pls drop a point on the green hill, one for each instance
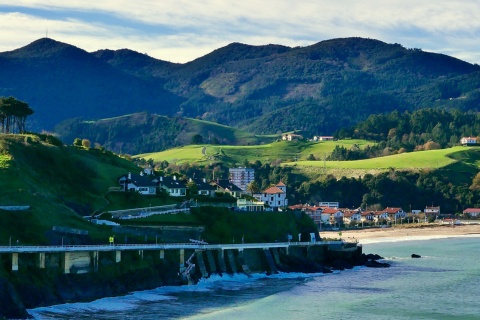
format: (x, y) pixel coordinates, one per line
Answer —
(145, 132)
(60, 184)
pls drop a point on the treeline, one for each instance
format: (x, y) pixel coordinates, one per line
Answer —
(396, 132)
(13, 115)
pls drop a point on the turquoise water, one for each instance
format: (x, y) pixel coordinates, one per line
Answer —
(443, 284)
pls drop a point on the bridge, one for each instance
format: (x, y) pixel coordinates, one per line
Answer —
(86, 258)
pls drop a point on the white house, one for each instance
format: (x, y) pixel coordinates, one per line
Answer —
(292, 137)
(434, 211)
(173, 186)
(275, 197)
(143, 184)
(468, 141)
(394, 213)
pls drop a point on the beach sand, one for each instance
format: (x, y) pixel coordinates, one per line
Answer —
(401, 233)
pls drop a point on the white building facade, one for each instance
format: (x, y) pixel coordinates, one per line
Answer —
(241, 177)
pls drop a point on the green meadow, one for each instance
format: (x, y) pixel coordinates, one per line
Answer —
(285, 151)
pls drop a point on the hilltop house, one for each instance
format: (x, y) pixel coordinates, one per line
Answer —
(291, 137)
(323, 138)
(468, 141)
(173, 186)
(141, 183)
(275, 197)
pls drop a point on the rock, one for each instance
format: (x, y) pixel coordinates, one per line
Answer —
(415, 255)
(376, 264)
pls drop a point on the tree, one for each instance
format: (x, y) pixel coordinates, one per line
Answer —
(197, 139)
(86, 143)
(253, 187)
(77, 142)
(476, 182)
(13, 115)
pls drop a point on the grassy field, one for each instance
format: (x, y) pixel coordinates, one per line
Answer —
(432, 159)
(59, 184)
(281, 150)
(410, 160)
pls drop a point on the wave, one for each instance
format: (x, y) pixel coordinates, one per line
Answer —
(136, 299)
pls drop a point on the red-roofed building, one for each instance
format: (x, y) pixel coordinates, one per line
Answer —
(275, 197)
(394, 213)
(473, 212)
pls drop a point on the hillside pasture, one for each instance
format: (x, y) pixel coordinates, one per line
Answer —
(284, 151)
(410, 160)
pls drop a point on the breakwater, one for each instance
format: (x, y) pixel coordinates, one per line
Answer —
(39, 276)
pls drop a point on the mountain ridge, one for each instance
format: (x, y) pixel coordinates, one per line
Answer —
(332, 83)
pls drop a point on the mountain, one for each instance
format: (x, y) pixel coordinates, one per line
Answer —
(262, 89)
(60, 81)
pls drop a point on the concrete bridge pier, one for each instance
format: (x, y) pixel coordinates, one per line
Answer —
(65, 262)
(94, 260)
(15, 261)
(162, 254)
(40, 260)
(221, 261)
(118, 256)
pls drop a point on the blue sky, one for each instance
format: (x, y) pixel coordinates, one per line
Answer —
(182, 30)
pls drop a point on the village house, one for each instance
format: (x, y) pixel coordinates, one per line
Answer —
(274, 197)
(291, 137)
(173, 186)
(378, 216)
(472, 212)
(468, 141)
(332, 215)
(141, 183)
(432, 211)
(394, 213)
(367, 216)
(226, 186)
(204, 188)
(350, 216)
(315, 213)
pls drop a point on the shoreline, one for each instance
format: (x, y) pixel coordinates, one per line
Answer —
(404, 233)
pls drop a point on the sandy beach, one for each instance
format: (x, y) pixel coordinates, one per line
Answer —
(400, 233)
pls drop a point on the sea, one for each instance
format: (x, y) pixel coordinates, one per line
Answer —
(443, 284)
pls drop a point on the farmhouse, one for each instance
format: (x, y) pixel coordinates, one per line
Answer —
(291, 137)
(468, 141)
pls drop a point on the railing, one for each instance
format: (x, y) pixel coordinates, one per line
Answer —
(170, 246)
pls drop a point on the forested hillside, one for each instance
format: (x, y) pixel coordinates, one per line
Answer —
(264, 89)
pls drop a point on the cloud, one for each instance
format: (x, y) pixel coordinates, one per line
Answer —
(182, 30)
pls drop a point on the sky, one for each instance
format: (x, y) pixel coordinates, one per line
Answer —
(183, 30)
